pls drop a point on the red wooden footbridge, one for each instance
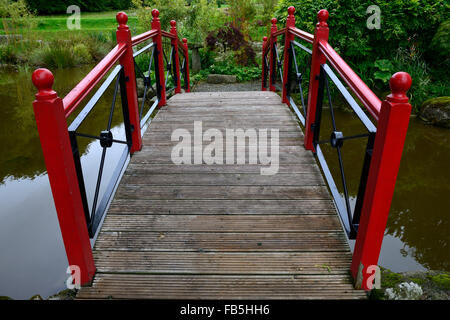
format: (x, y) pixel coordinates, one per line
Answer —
(163, 229)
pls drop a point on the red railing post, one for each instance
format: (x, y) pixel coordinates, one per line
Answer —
(264, 71)
(273, 58)
(123, 35)
(186, 65)
(389, 141)
(173, 30)
(156, 25)
(54, 137)
(290, 22)
(318, 58)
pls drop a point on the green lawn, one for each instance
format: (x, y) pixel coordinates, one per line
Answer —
(46, 25)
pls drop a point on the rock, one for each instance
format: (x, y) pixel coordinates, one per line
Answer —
(221, 78)
(141, 88)
(436, 111)
(4, 38)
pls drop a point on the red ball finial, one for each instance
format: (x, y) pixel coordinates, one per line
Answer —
(173, 23)
(122, 18)
(274, 21)
(155, 13)
(400, 84)
(43, 80)
(291, 10)
(264, 38)
(184, 40)
(322, 16)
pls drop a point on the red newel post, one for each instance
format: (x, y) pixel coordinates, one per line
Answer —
(123, 36)
(390, 138)
(52, 128)
(273, 58)
(264, 71)
(173, 30)
(186, 65)
(290, 22)
(320, 34)
(156, 25)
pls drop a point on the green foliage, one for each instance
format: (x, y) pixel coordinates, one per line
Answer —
(202, 17)
(401, 44)
(242, 73)
(443, 280)
(8, 54)
(18, 14)
(193, 21)
(403, 23)
(441, 41)
(384, 72)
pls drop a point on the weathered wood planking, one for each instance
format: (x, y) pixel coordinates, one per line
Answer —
(222, 231)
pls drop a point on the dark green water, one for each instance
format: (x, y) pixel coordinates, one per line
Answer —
(32, 256)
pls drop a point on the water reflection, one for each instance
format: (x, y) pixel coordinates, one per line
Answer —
(418, 230)
(33, 259)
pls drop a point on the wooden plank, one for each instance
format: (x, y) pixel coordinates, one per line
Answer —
(156, 168)
(212, 116)
(221, 192)
(222, 263)
(163, 155)
(220, 287)
(222, 223)
(260, 207)
(229, 109)
(222, 242)
(221, 179)
(282, 125)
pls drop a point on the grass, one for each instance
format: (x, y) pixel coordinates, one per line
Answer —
(49, 27)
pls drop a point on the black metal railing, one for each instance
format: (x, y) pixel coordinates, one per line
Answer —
(266, 67)
(170, 66)
(94, 214)
(277, 67)
(153, 53)
(301, 79)
(350, 218)
(183, 70)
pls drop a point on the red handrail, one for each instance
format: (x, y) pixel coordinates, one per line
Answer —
(279, 32)
(308, 37)
(168, 35)
(84, 87)
(144, 37)
(362, 91)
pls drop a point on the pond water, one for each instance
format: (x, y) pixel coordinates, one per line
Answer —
(32, 255)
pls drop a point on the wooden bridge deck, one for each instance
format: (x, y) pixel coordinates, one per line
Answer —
(222, 231)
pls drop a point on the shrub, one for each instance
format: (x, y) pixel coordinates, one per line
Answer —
(82, 54)
(403, 22)
(7, 54)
